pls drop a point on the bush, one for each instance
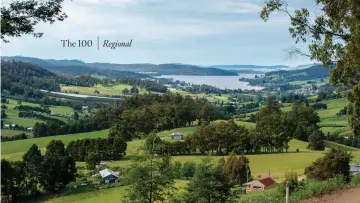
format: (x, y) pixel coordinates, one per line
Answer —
(355, 180)
(315, 188)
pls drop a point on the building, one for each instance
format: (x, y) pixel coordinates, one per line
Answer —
(354, 169)
(109, 176)
(29, 129)
(259, 185)
(177, 136)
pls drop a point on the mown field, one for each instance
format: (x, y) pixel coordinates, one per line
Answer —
(261, 164)
(210, 97)
(103, 91)
(13, 116)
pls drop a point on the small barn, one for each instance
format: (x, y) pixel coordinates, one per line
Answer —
(109, 176)
(354, 169)
(177, 136)
(259, 185)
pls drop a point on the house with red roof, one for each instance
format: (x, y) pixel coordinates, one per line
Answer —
(260, 185)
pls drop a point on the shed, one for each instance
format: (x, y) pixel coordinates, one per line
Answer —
(109, 176)
(260, 185)
(177, 136)
(354, 169)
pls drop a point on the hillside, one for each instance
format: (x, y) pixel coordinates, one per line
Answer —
(77, 67)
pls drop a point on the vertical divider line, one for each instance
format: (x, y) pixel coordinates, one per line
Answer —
(98, 42)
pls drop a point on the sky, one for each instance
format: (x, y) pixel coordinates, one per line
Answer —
(199, 32)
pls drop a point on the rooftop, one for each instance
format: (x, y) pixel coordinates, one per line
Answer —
(106, 172)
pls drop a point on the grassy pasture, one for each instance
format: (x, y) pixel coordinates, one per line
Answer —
(61, 110)
(15, 149)
(8, 132)
(209, 97)
(104, 91)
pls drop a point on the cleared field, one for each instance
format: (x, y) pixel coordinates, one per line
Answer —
(209, 97)
(15, 149)
(61, 110)
(8, 133)
(330, 144)
(241, 123)
(103, 91)
(91, 195)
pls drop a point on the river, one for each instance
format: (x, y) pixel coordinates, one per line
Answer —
(229, 82)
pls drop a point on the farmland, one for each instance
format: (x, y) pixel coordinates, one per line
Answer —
(103, 91)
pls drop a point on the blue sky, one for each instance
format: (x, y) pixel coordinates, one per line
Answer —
(202, 32)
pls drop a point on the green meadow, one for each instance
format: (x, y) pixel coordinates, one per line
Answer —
(103, 91)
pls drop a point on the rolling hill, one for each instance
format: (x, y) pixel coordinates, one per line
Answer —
(77, 67)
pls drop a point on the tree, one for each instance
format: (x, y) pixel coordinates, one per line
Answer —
(92, 159)
(334, 36)
(150, 180)
(208, 185)
(188, 169)
(206, 114)
(316, 140)
(76, 116)
(21, 17)
(13, 178)
(58, 169)
(236, 169)
(3, 114)
(33, 161)
(125, 91)
(134, 90)
(335, 162)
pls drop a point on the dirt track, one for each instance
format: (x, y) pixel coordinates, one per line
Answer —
(345, 196)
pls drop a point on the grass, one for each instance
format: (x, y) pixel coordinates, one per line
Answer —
(91, 195)
(103, 91)
(9, 133)
(330, 144)
(14, 150)
(209, 97)
(61, 110)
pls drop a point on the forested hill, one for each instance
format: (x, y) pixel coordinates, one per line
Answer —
(77, 67)
(20, 78)
(316, 71)
(166, 69)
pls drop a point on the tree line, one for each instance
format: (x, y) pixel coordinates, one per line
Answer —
(104, 148)
(142, 114)
(25, 178)
(149, 85)
(33, 108)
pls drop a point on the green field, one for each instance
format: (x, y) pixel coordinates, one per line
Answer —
(103, 91)
(8, 132)
(61, 110)
(90, 195)
(13, 118)
(209, 97)
(15, 149)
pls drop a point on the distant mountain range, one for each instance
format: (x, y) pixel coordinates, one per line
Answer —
(77, 67)
(145, 70)
(230, 67)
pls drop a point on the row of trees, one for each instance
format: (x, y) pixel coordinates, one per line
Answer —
(149, 85)
(51, 172)
(33, 108)
(102, 119)
(143, 114)
(104, 148)
(151, 179)
(32, 114)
